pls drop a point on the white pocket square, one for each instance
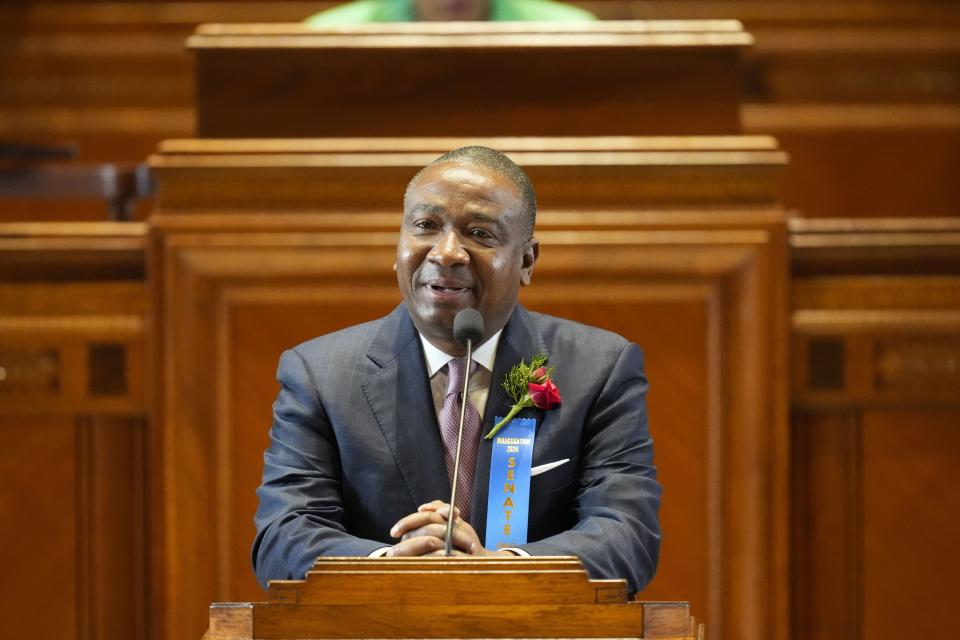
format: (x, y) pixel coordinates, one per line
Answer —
(546, 467)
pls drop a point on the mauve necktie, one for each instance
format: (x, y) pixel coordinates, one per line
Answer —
(449, 420)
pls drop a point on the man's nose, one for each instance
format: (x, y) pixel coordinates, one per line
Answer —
(449, 250)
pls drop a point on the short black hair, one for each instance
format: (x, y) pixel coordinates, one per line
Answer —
(498, 163)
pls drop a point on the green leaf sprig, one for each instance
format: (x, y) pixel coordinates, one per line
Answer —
(515, 384)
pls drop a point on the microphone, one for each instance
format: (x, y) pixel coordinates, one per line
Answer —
(468, 327)
(467, 330)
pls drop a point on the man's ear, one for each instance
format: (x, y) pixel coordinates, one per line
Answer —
(394, 267)
(530, 254)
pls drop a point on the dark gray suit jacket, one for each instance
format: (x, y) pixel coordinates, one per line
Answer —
(355, 447)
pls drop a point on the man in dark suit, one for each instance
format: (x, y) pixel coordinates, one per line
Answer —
(356, 464)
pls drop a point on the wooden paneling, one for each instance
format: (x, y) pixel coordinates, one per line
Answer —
(874, 526)
(701, 284)
(675, 337)
(71, 74)
(910, 527)
(877, 246)
(827, 567)
(73, 512)
(200, 464)
(112, 77)
(72, 421)
(38, 503)
(866, 161)
(112, 550)
(862, 95)
(876, 387)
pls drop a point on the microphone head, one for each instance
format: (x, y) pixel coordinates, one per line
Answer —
(468, 326)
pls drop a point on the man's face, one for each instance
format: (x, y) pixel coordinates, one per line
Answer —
(463, 243)
(451, 10)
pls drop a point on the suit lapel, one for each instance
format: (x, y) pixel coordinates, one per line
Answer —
(398, 391)
(519, 341)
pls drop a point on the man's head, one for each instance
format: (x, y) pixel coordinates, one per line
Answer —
(451, 10)
(466, 241)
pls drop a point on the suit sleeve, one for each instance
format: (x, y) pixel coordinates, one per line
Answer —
(617, 532)
(301, 514)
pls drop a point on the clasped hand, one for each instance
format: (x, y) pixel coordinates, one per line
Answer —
(423, 533)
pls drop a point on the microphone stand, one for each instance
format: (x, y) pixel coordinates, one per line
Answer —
(448, 538)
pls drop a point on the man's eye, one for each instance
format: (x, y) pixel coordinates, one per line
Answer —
(425, 224)
(481, 234)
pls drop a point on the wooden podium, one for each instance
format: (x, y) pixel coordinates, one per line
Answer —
(678, 244)
(462, 79)
(462, 597)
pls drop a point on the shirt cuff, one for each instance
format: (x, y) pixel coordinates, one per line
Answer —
(381, 552)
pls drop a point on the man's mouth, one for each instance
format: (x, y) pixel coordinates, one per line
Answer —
(448, 291)
(442, 289)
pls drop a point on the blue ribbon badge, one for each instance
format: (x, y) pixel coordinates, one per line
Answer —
(508, 502)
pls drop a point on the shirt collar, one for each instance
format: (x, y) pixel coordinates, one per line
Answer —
(484, 355)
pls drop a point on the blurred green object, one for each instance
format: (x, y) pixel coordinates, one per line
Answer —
(363, 11)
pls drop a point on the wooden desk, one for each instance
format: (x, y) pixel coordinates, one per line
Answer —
(73, 427)
(359, 598)
(477, 79)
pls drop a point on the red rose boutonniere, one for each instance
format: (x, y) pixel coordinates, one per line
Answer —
(530, 386)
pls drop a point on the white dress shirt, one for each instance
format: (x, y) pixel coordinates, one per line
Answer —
(483, 355)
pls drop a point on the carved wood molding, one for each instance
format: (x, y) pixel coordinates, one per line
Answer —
(72, 318)
(876, 312)
(864, 368)
(121, 326)
(204, 177)
(25, 371)
(828, 565)
(111, 527)
(928, 366)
